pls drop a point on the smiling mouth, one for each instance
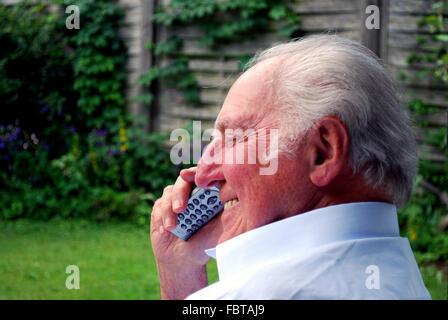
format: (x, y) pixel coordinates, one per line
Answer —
(230, 203)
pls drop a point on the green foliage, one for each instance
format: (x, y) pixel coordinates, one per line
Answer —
(102, 177)
(99, 58)
(436, 43)
(35, 76)
(68, 147)
(419, 219)
(222, 22)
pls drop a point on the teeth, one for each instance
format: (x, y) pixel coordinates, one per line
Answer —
(230, 203)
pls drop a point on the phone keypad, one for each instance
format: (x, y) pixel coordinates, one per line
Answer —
(202, 206)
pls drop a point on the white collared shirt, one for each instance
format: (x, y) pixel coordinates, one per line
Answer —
(347, 251)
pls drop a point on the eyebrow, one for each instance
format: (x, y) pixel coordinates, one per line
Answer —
(227, 123)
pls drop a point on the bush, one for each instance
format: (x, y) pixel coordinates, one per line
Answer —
(67, 146)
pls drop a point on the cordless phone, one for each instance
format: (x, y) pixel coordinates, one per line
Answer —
(203, 205)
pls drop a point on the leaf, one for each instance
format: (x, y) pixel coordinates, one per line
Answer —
(146, 98)
(147, 79)
(277, 12)
(442, 37)
(171, 45)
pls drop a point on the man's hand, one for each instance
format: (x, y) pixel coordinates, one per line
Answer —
(181, 264)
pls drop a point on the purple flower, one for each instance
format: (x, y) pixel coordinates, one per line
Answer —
(111, 153)
(6, 157)
(13, 136)
(45, 146)
(9, 127)
(59, 112)
(99, 144)
(72, 130)
(100, 133)
(2, 127)
(2, 145)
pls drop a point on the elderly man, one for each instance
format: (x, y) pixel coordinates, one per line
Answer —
(324, 225)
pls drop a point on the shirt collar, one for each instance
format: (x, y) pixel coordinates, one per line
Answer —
(305, 231)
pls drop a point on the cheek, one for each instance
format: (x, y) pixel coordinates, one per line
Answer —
(246, 182)
(240, 176)
(258, 192)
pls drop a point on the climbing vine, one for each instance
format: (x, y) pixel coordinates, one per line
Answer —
(426, 216)
(222, 22)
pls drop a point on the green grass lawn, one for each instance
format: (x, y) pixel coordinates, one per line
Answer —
(115, 261)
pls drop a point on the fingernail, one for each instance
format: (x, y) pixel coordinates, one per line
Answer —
(168, 222)
(177, 204)
(161, 230)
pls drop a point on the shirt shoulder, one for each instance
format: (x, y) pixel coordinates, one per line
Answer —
(375, 268)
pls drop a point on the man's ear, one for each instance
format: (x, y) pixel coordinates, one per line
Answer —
(329, 145)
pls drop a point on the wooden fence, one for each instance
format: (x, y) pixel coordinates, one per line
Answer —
(217, 70)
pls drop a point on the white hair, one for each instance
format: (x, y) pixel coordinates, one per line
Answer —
(329, 75)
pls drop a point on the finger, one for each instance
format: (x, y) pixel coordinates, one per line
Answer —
(180, 193)
(169, 218)
(188, 174)
(156, 219)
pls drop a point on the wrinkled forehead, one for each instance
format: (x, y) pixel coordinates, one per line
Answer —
(249, 99)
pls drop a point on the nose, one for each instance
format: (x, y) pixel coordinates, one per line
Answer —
(209, 172)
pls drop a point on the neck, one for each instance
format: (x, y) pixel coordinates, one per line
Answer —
(346, 191)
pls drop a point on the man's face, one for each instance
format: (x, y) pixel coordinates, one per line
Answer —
(251, 199)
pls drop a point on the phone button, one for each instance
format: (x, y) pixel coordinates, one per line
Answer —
(212, 200)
